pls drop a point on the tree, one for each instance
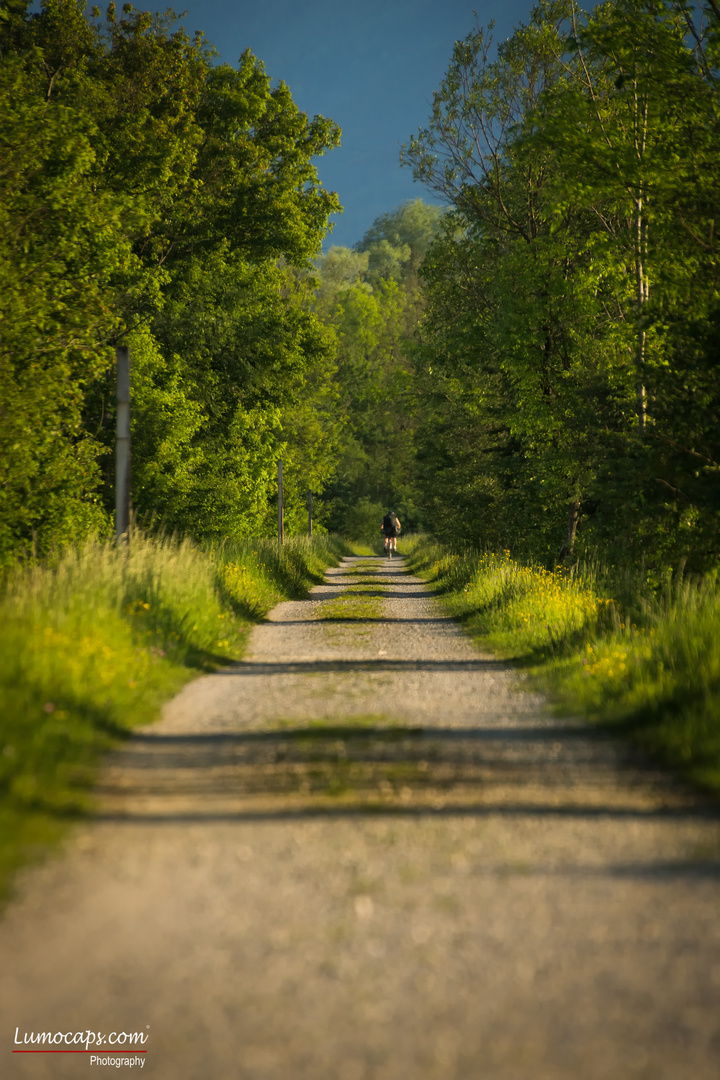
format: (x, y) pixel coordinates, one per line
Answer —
(370, 299)
(636, 128)
(514, 264)
(397, 242)
(134, 170)
(578, 164)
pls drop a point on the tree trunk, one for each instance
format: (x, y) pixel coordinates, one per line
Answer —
(122, 444)
(642, 283)
(572, 523)
(642, 293)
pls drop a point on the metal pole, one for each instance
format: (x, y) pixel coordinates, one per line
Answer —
(281, 505)
(309, 512)
(122, 444)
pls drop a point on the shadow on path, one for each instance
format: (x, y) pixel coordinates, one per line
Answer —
(345, 769)
(309, 667)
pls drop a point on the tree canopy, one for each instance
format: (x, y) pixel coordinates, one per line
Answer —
(569, 356)
(147, 194)
(533, 364)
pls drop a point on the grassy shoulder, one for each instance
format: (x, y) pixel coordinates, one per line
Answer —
(645, 661)
(92, 645)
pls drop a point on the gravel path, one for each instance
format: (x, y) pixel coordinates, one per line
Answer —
(365, 853)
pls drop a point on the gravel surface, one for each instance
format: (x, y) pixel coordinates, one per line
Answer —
(366, 853)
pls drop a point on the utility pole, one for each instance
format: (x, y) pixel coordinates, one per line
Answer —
(309, 511)
(122, 444)
(281, 505)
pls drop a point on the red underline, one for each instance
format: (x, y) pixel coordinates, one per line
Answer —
(123, 1053)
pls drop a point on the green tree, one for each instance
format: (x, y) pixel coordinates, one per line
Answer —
(370, 298)
(60, 242)
(636, 130)
(397, 242)
(134, 172)
(502, 257)
(572, 304)
(257, 365)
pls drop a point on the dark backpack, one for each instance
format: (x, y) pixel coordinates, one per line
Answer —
(390, 524)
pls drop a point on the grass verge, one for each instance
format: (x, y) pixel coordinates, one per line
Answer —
(359, 602)
(91, 646)
(645, 661)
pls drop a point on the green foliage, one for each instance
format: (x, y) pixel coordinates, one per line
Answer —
(244, 375)
(396, 243)
(523, 609)
(375, 463)
(566, 371)
(146, 193)
(56, 248)
(362, 520)
(339, 270)
(91, 645)
(370, 299)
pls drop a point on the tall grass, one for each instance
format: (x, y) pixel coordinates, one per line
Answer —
(91, 645)
(605, 644)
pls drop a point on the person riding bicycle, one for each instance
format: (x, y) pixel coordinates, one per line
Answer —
(390, 527)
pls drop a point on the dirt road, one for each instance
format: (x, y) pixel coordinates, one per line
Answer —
(364, 853)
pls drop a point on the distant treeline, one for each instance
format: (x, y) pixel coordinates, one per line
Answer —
(568, 371)
(534, 367)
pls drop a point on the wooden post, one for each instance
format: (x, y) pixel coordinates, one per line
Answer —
(281, 505)
(122, 444)
(309, 512)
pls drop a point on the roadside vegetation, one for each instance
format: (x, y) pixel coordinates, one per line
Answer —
(643, 659)
(93, 643)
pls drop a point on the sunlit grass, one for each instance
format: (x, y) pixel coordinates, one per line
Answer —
(524, 609)
(352, 606)
(660, 676)
(649, 661)
(255, 575)
(359, 548)
(91, 645)
(365, 570)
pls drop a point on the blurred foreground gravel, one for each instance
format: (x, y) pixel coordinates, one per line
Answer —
(364, 853)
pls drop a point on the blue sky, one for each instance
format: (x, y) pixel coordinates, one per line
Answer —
(371, 66)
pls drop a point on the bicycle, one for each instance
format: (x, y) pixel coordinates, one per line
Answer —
(390, 527)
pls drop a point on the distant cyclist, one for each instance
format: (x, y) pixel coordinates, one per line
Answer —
(391, 529)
